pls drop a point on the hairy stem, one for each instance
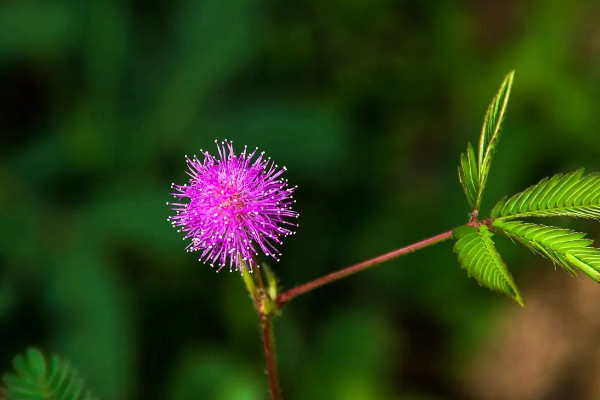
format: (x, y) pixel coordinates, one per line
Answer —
(284, 297)
(268, 339)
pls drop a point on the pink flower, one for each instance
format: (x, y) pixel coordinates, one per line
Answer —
(237, 205)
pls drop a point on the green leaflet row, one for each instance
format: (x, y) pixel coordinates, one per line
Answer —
(36, 377)
(473, 169)
(572, 195)
(478, 255)
(567, 248)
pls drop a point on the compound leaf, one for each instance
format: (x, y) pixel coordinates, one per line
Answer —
(36, 377)
(478, 255)
(572, 195)
(565, 247)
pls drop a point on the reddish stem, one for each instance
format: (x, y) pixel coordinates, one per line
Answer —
(266, 327)
(334, 276)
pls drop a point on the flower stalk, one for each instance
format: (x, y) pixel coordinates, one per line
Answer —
(263, 300)
(268, 340)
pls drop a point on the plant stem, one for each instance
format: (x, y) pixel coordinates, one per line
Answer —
(268, 339)
(286, 296)
(259, 296)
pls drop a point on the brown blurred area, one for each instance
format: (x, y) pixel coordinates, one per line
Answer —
(547, 350)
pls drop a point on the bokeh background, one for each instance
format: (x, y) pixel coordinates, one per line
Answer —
(368, 103)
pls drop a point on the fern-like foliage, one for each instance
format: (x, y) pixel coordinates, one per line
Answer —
(473, 171)
(36, 378)
(565, 247)
(478, 255)
(573, 195)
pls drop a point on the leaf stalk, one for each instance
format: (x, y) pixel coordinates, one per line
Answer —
(286, 296)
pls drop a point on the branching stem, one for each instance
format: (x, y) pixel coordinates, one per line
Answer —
(284, 297)
(259, 295)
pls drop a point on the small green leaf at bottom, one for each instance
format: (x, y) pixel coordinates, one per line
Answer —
(36, 377)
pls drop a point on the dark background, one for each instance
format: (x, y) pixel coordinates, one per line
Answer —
(368, 103)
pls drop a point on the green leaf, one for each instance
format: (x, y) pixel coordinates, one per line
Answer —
(37, 378)
(478, 255)
(565, 247)
(490, 132)
(571, 195)
(468, 175)
(473, 171)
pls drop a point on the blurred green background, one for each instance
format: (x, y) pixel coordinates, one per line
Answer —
(368, 103)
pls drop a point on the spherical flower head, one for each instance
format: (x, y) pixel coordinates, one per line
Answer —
(236, 205)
